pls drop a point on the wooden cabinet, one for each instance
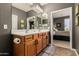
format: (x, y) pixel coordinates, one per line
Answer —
(47, 38)
(30, 48)
(38, 41)
(18, 49)
(39, 45)
(31, 45)
(44, 40)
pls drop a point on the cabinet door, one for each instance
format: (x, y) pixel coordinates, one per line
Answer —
(36, 42)
(18, 49)
(30, 48)
(44, 40)
(44, 43)
(39, 44)
(47, 37)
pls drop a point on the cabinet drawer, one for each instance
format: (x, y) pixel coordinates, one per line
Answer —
(35, 36)
(28, 37)
(30, 42)
(44, 34)
(40, 34)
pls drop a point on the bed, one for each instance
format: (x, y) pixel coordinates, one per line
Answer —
(61, 35)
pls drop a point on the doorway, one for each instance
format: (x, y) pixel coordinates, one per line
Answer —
(61, 28)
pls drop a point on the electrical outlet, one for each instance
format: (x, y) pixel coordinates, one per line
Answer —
(5, 26)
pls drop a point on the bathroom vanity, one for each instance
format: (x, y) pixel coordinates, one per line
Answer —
(30, 43)
(33, 39)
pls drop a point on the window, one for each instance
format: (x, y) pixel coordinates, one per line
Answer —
(66, 24)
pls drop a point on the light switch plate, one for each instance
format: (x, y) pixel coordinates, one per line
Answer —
(5, 26)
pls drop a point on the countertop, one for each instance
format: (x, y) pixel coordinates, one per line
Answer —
(30, 32)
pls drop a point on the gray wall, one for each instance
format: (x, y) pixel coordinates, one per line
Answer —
(5, 36)
(31, 13)
(21, 15)
(73, 27)
(57, 6)
(76, 36)
(5, 18)
(61, 21)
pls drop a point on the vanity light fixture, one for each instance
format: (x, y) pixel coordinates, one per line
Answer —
(37, 8)
(45, 15)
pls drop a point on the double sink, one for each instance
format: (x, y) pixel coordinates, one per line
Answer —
(24, 32)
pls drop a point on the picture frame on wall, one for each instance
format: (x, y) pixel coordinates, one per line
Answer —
(77, 21)
(22, 23)
(77, 15)
(58, 24)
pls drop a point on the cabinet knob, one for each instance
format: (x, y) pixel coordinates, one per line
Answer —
(36, 42)
(46, 37)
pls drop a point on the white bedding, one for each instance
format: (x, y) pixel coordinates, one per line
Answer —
(63, 33)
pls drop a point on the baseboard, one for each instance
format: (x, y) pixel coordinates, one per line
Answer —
(75, 51)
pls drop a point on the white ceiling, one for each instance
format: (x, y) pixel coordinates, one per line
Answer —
(28, 6)
(22, 6)
(43, 4)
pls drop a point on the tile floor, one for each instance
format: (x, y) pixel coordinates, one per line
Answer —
(57, 51)
(60, 43)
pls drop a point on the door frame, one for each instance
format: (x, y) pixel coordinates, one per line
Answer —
(51, 23)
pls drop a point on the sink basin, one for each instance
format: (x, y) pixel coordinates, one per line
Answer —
(24, 32)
